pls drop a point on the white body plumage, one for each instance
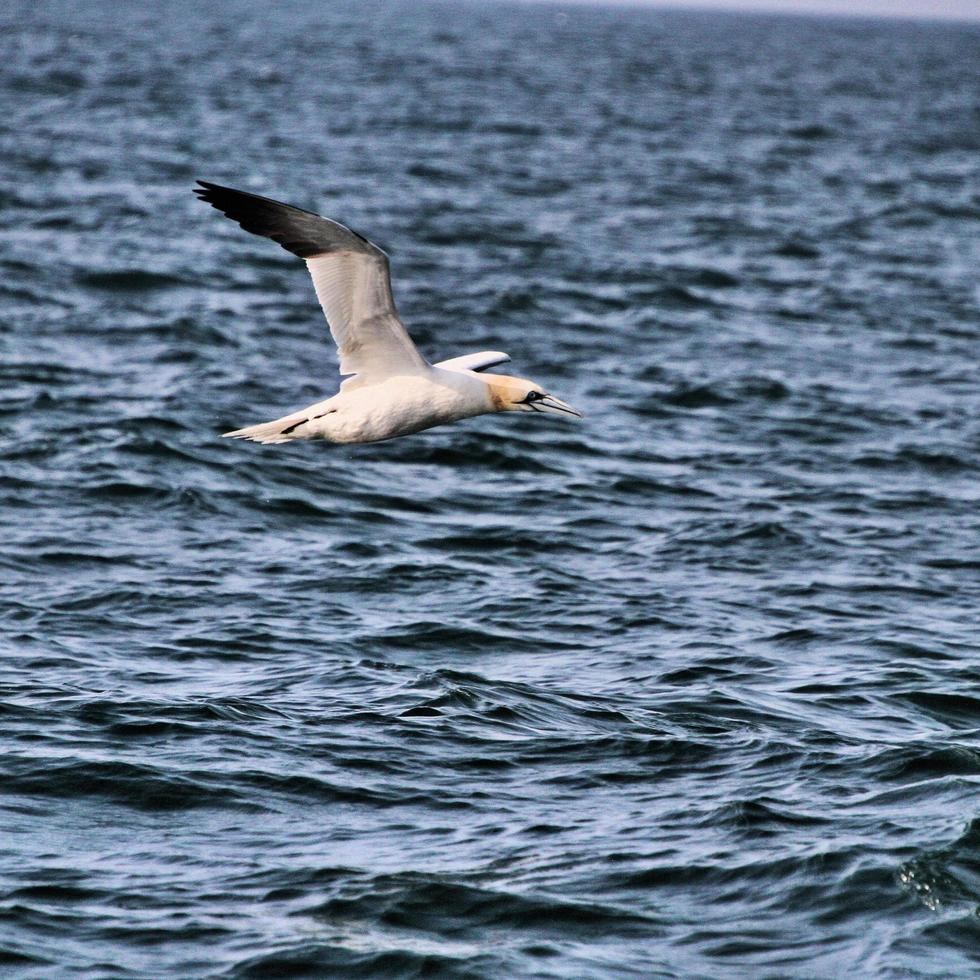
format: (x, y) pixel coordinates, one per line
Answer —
(396, 406)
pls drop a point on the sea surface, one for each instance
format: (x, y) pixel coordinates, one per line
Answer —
(690, 688)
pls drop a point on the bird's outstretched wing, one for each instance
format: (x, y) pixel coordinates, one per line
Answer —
(475, 362)
(350, 275)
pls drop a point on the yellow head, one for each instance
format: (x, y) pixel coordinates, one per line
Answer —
(520, 395)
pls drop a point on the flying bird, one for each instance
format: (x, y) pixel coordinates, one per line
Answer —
(392, 389)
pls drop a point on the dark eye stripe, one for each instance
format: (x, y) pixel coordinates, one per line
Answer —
(533, 396)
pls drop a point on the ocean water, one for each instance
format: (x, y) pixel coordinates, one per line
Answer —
(686, 689)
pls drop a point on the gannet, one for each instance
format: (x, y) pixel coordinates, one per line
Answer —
(392, 390)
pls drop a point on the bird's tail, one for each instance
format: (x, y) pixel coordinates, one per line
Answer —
(282, 430)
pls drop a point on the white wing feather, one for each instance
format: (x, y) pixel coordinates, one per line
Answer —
(475, 362)
(354, 290)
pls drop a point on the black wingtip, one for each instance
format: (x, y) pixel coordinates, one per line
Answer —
(208, 190)
(304, 233)
(218, 195)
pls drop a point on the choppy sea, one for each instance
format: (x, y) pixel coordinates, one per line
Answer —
(690, 688)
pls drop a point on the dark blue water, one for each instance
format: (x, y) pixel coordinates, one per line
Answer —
(689, 688)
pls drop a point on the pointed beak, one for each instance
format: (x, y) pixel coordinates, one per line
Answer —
(555, 406)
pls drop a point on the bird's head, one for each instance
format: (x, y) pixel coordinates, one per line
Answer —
(521, 395)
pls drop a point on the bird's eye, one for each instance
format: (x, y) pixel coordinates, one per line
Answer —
(534, 396)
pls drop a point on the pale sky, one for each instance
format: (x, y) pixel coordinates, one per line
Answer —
(934, 9)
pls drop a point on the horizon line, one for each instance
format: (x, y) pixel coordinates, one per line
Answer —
(846, 10)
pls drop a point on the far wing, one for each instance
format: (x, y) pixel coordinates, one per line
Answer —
(350, 275)
(475, 362)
